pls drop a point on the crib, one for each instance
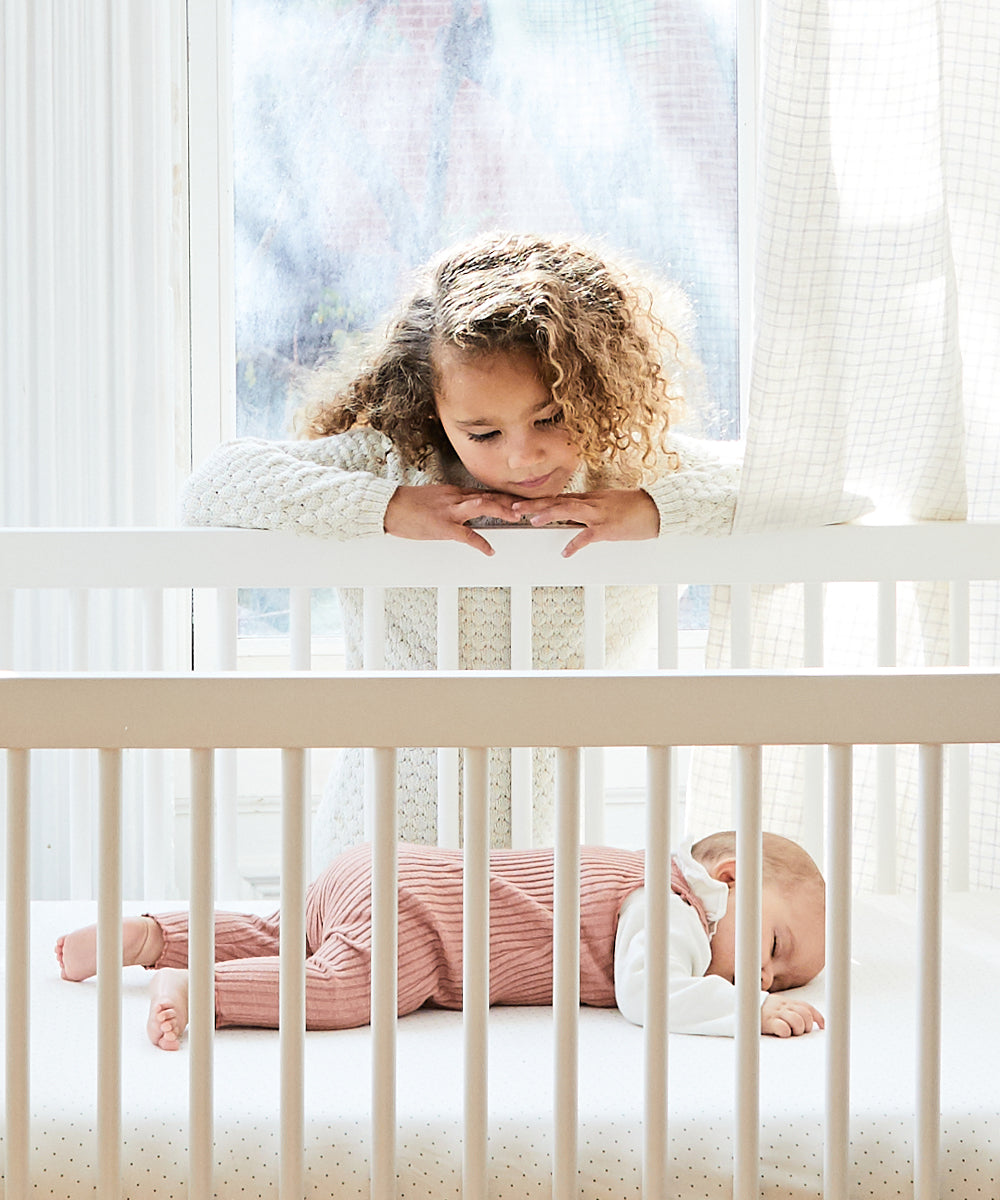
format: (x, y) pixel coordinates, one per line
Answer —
(889, 1100)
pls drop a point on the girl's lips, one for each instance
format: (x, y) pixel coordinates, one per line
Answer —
(540, 481)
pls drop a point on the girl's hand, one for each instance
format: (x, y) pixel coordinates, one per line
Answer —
(438, 512)
(613, 515)
(782, 1017)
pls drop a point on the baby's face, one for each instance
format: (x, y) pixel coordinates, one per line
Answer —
(503, 424)
(793, 941)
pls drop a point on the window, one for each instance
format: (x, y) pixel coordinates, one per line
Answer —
(369, 135)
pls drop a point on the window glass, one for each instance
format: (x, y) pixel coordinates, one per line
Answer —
(369, 135)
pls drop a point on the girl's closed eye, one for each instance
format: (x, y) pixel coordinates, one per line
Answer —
(542, 423)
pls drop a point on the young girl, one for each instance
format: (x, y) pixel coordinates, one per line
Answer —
(612, 940)
(524, 380)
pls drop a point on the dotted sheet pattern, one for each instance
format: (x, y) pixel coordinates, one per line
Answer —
(64, 1072)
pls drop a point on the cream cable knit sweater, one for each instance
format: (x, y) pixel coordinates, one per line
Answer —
(339, 488)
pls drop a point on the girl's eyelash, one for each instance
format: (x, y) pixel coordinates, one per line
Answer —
(544, 423)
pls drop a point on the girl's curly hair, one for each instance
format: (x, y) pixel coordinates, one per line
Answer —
(612, 362)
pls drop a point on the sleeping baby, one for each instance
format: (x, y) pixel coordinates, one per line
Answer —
(702, 995)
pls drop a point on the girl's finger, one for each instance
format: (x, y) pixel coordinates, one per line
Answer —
(579, 512)
(489, 504)
(473, 539)
(582, 539)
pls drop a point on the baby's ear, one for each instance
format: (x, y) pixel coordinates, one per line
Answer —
(724, 870)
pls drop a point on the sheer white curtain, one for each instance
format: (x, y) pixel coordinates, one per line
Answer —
(93, 330)
(877, 336)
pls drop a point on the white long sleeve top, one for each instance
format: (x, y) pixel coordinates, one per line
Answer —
(339, 488)
(697, 1003)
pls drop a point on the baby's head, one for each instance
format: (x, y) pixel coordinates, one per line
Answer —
(606, 360)
(793, 911)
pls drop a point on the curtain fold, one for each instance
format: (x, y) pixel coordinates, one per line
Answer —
(876, 343)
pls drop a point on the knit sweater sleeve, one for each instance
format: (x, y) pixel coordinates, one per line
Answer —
(700, 495)
(336, 487)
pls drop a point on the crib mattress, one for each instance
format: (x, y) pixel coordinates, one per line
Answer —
(155, 1098)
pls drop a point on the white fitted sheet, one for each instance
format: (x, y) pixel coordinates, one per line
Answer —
(155, 1098)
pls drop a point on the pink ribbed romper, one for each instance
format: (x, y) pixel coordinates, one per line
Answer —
(338, 936)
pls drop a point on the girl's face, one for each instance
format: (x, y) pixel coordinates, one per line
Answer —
(502, 422)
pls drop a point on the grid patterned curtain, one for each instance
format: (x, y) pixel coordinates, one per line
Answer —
(876, 340)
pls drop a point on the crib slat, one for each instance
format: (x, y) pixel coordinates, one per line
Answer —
(566, 973)
(927, 1136)
(81, 814)
(958, 756)
(812, 624)
(384, 982)
(201, 963)
(447, 756)
(812, 756)
(657, 890)
(300, 628)
(292, 992)
(749, 865)
(6, 629)
(226, 628)
(667, 619)
(17, 890)
(741, 602)
(520, 756)
(838, 975)
(373, 659)
(157, 843)
(885, 819)
(885, 756)
(226, 788)
(476, 974)
(374, 628)
(109, 974)
(593, 757)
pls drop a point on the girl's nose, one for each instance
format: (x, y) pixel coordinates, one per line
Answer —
(766, 978)
(524, 451)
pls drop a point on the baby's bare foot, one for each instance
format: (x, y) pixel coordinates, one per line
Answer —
(142, 944)
(168, 1008)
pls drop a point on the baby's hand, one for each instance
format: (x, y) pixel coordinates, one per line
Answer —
(613, 515)
(438, 512)
(784, 1017)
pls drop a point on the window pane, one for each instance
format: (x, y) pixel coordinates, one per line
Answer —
(369, 135)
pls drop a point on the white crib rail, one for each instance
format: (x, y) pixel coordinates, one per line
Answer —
(150, 563)
(159, 558)
(476, 710)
